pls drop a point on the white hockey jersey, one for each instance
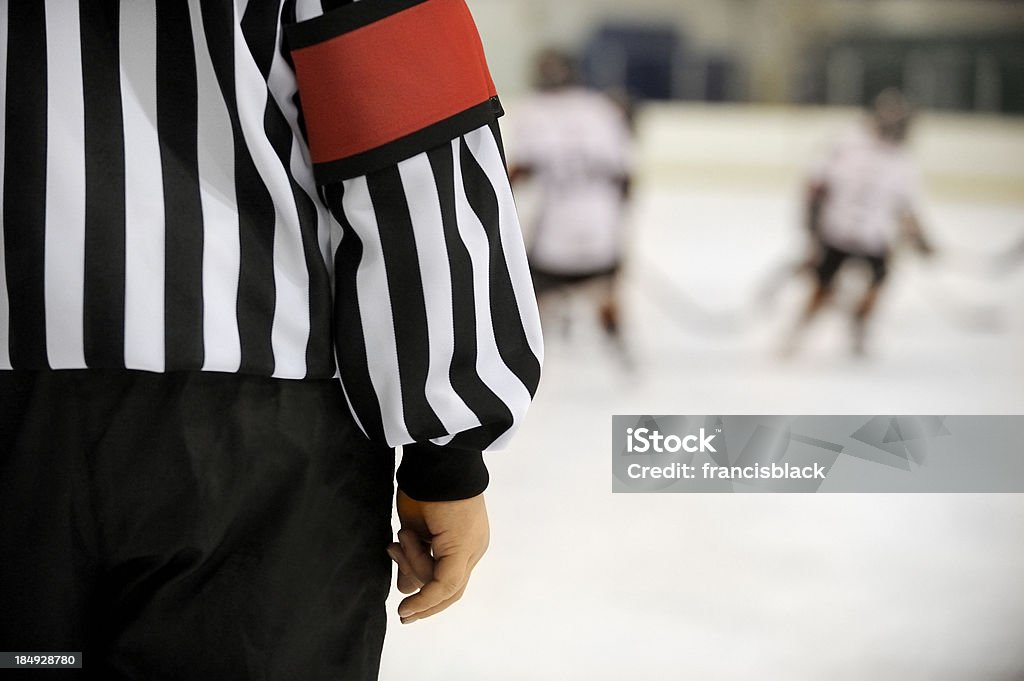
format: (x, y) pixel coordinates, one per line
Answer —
(577, 143)
(870, 186)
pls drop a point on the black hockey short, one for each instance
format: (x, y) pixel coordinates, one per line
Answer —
(545, 281)
(832, 260)
(191, 526)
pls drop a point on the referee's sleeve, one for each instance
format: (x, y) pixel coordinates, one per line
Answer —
(436, 326)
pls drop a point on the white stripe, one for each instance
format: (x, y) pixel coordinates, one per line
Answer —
(144, 205)
(221, 255)
(64, 250)
(443, 441)
(428, 232)
(290, 331)
(491, 368)
(375, 309)
(307, 9)
(283, 87)
(484, 148)
(5, 308)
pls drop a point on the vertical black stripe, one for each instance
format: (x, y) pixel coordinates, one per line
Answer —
(496, 132)
(331, 5)
(104, 287)
(177, 102)
(463, 375)
(351, 345)
(256, 289)
(319, 358)
(508, 327)
(408, 306)
(24, 209)
(260, 30)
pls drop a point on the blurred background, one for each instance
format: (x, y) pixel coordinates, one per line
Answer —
(733, 103)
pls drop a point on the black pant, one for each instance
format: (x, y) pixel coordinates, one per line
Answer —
(545, 281)
(832, 259)
(191, 526)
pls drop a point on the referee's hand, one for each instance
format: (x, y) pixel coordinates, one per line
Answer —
(439, 544)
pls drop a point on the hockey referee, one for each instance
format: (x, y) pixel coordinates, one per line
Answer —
(248, 248)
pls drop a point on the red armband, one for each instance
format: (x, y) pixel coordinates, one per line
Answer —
(383, 80)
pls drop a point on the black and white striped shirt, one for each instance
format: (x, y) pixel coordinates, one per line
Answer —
(160, 213)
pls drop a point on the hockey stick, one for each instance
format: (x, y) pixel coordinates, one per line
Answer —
(677, 303)
(984, 265)
(971, 315)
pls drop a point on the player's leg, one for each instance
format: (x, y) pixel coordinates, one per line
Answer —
(803, 266)
(866, 306)
(551, 290)
(831, 261)
(609, 315)
(608, 310)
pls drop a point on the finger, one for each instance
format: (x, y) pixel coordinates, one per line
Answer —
(418, 553)
(436, 609)
(450, 576)
(407, 584)
(407, 581)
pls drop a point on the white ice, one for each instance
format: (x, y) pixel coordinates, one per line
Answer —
(581, 584)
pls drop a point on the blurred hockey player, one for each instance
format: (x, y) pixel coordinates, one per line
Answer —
(863, 198)
(574, 142)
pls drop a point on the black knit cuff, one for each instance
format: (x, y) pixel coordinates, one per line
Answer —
(432, 473)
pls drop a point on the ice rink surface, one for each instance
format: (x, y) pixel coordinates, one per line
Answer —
(581, 584)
